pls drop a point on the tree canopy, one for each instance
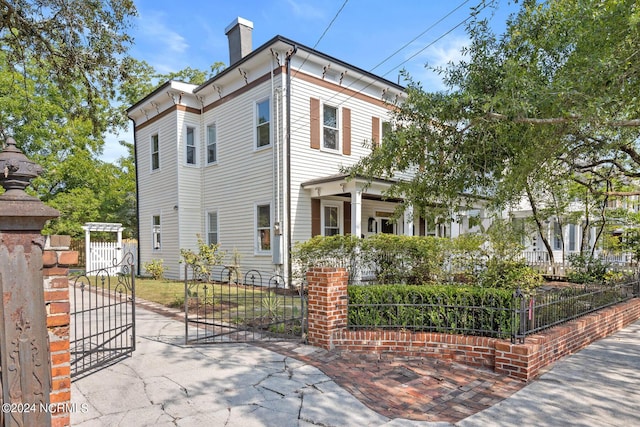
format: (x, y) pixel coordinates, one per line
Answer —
(553, 99)
(65, 81)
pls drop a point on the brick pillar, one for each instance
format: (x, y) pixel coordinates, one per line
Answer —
(56, 262)
(327, 304)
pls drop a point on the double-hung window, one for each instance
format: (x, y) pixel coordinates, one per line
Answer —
(212, 143)
(330, 132)
(156, 232)
(212, 228)
(263, 120)
(331, 220)
(263, 227)
(191, 146)
(155, 152)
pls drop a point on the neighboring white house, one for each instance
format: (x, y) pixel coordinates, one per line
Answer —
(251, 159)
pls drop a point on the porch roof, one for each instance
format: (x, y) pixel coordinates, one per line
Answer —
(344, 184)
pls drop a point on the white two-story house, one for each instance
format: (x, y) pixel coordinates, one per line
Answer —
(251, 159)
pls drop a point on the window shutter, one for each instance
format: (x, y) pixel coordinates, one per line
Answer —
(315, 218)
(346, 208)
(315, 123)
(375, 131)
(346, 131)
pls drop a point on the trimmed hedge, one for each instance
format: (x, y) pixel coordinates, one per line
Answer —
(455, 309)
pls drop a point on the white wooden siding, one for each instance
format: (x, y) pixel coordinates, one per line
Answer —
(242, 177)
(157, 192)
(310, 163)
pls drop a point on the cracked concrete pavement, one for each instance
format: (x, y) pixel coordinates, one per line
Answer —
(168, 384)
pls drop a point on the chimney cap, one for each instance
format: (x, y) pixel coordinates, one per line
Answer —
(238, 21)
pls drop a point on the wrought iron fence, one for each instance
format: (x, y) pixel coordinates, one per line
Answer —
(492, 321)
(513, 318)
(542, 310)
(241, 308)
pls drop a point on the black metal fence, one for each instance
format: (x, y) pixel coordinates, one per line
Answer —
(102, 318)
(241, 308)
(514, 318)
(543, 310)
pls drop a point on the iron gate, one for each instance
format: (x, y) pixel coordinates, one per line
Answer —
(233, 310)
(102, 317)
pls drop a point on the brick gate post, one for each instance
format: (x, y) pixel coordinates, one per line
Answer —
(327, 304)
(25, 368)
(56, 262)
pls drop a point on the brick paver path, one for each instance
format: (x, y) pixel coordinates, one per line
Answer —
(417, 389)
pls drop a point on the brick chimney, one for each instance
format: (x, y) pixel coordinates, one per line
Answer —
(239, 35)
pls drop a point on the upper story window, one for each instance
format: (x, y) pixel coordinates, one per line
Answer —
(191, 146)
(263, 227)
(212, 228)
(263, 119)
(155, 152)
(155, 230)
(212, 144)
(330, 132)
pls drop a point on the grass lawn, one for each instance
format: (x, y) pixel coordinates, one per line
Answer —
(165, 292)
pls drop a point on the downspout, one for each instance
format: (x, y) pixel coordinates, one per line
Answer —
(276, 168)
(135, 162)
(288, 165)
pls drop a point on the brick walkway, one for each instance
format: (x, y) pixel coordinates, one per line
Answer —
(416, 389)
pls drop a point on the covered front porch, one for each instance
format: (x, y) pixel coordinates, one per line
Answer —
(344, 205)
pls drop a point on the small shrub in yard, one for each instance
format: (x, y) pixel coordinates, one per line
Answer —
(155, 268)
(585, 269)
(203, 260)
(509, 275)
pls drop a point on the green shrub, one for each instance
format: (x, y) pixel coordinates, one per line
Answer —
(155, 268)
(331, 251)
(202, 261)
(441, 308)
(586, 269)
(508, 274)
(406, 259)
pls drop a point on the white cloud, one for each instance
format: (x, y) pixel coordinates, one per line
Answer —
(439, 55)
(168, 47)
(306, 10)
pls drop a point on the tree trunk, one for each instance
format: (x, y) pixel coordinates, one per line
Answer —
(534, 210)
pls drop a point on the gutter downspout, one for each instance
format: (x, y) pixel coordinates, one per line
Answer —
(288, 162)
(135, 162)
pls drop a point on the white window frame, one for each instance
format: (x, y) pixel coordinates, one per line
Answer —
(209, 143)
(187, 146)
(217, 230)
(257, 125)
(156, 233)
(155, 154)
(258, 250)
(336, 129)
(323, 219)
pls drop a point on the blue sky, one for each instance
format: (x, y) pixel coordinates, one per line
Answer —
(379, 36)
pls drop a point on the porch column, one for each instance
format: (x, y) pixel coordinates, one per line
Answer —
(356, 212)
(408, 221)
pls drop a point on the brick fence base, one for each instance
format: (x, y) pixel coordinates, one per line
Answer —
(328, 321)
